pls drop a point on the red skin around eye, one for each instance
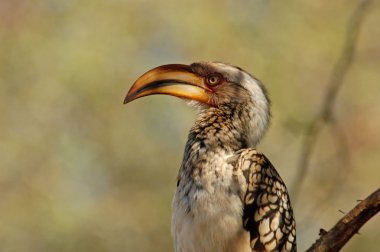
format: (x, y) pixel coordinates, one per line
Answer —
(211, 87)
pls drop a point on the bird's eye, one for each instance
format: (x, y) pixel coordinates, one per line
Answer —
(213, 80)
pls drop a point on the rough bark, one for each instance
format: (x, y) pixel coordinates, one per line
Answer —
(342, 232)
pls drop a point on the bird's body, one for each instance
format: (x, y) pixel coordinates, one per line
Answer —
(213, 182)
(207, 209)
(229, 197)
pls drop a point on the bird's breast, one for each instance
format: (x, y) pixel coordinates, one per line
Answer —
(207, 210)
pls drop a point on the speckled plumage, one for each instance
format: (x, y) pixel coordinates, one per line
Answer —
(268, 214)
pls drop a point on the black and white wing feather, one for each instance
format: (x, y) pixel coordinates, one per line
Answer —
(267, 213)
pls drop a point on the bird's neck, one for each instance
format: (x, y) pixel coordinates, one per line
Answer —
(218, 133)
(219, 129)
(230, 127)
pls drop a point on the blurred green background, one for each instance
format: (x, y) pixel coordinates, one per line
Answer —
(81, 172)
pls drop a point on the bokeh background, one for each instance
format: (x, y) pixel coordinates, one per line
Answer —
(80, 171)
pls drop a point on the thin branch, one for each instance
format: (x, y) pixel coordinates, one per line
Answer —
(342, 232)
(325, 115)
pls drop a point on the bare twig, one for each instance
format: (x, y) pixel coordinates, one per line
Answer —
(341, 233)
(325, 115)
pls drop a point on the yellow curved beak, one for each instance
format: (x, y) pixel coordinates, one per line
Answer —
(174, 79)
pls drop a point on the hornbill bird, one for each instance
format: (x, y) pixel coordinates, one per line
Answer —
(229, 197)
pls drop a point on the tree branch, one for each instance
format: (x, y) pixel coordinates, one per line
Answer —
(341, 233)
